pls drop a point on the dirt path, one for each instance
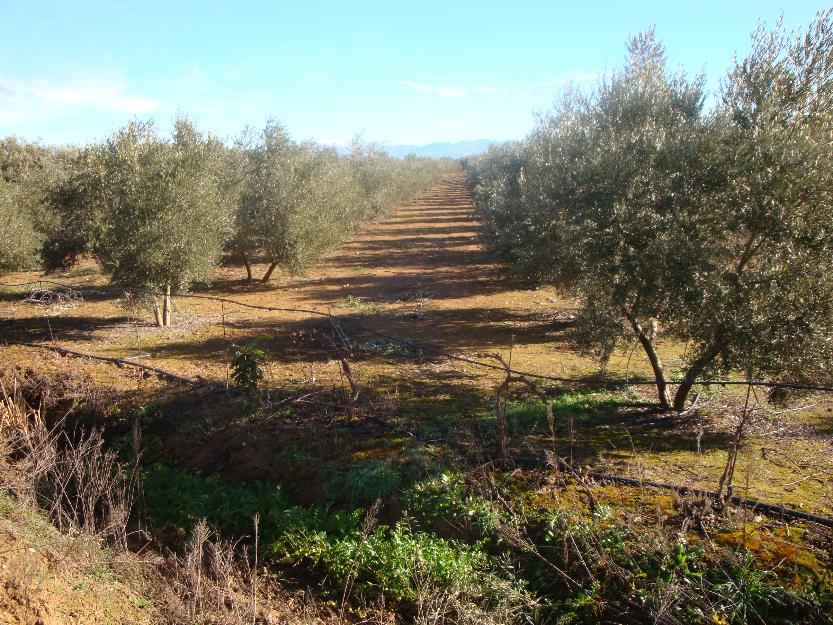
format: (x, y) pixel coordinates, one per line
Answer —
(421, 272)
(428, 246)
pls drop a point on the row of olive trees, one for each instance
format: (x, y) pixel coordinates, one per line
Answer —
(26, 172)
(709, 225)
(158, 213)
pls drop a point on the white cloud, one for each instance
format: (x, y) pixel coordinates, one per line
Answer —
(39, 97)
(485, 90)
(445, 91)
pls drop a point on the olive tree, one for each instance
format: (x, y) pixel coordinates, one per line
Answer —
(20, 240)
(295, 202)
(766, 305)
(636, 236)
(298, 199)
(712, 228)
(165, 212)
(603, 194)
(375, 173)
(27, 172)
(74, 205)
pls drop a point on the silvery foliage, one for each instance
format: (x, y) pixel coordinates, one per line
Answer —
(299, 199)
(20, 242)
(74, 203)
(711, 225)
(766, 304)
(165, 212)
(26, 171)
(295, 199)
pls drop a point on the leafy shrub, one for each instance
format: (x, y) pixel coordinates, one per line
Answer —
(177, 499)
(247, 373)
(396, 563)
(448, 497)
(364, 482)
(645, 573)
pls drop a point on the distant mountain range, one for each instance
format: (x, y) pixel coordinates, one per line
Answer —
(436, 150)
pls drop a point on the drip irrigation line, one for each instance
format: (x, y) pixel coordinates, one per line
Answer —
(602, 382)
(11, 285)
(472, 361)
(116, 361)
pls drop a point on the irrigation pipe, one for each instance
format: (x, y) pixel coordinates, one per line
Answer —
(770, 508)
(116, 361)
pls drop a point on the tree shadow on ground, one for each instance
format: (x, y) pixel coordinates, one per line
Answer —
(452, 407)
(442, 284)
(395, 338)
(86, 293)
(60, 328)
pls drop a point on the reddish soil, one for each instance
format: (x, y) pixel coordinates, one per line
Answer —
(420, 274)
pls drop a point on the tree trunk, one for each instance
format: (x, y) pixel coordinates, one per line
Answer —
(656, 363)
(248, 268)
(697, 367)
(166, 307)
(728, 476)
(157, 313)
(269, 271)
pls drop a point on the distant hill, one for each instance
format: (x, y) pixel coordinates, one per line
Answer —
(435, 150)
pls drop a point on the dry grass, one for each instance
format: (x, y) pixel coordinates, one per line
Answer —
(66, 506)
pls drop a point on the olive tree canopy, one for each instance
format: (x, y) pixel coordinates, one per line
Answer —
(165, 211)
(712, 228)
(20, 241)
(766, 306)
(294, 201)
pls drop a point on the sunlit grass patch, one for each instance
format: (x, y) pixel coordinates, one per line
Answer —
(584, 406)
(355, 303)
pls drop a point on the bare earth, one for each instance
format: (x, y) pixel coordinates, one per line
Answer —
(419, 274)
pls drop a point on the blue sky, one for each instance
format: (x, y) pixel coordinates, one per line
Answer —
(403, 72)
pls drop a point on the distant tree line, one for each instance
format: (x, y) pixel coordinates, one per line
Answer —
(158, 213)
(710, 225)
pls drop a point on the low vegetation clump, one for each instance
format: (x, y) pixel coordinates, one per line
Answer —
(592, 564)
(502, 546)
(348, 550)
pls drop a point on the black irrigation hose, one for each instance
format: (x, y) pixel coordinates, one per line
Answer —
(600, 382)
(754, 504)
(116, 361)
(479, 363)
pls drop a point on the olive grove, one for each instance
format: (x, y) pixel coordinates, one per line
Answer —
(158, 213)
